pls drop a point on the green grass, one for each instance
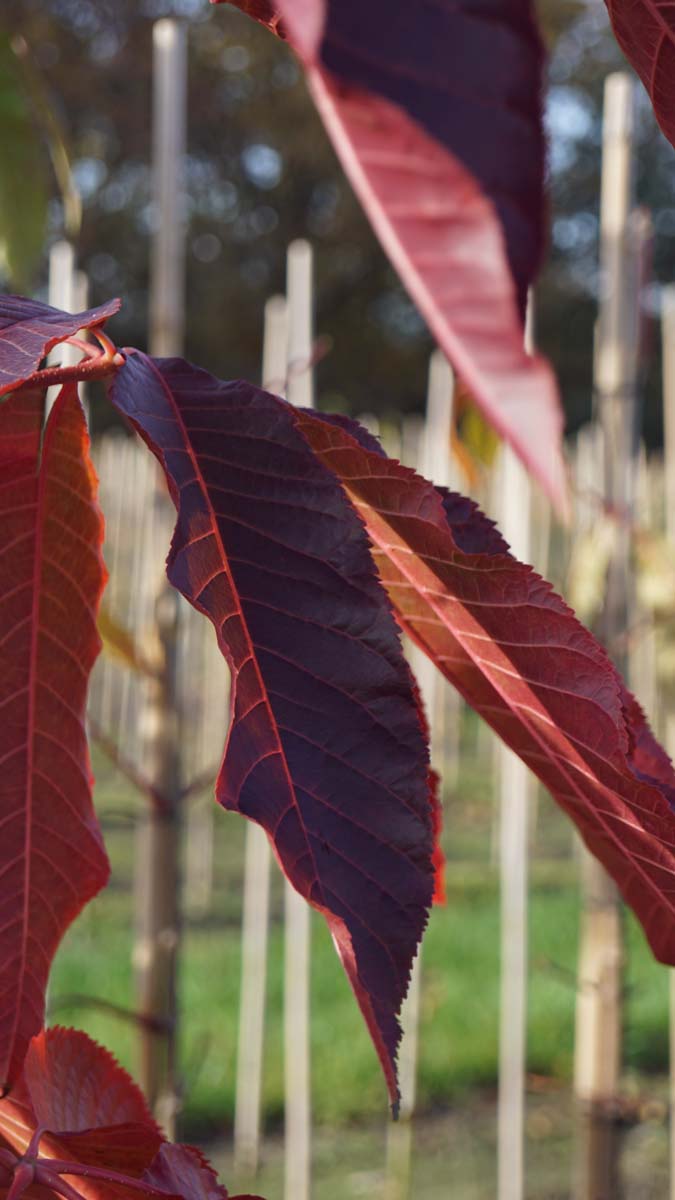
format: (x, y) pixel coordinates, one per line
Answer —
(460, 1005)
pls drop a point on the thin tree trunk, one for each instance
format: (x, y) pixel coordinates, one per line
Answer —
(159, 841)
(158, 860)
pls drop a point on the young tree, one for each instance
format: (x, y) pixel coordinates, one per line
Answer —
(326, 746)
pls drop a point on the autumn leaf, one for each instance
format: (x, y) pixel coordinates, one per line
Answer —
(435, 114)
(51, 578)
(29, 330)
(86, 1125)
(325, 748)
(520, 658)
(645, 31)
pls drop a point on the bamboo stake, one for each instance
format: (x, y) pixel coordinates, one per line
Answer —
(160, 829)
(514, 505)
(275, 346)
(297, 1185)
(514, 792)
(668, 344)
(598, 1035)
(61, 294)
(434, 464)
(300, 378)
(641, 650)
(114, 457)
(167, 296)
(256, 871)
(209, 704)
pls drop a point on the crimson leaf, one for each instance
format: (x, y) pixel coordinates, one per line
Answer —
(29, 330)
(51, 578)
(645, 30)
(325, 748)
(70, 1091)
(435, 113)
(521, 659)
(184, 1171)
(72, 1085)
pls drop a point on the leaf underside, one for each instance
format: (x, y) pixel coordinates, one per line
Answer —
(29, 330)
(325, 748)
(521, 659)
(51, 578)
(645, 30)
(446, 154)
(96, 1117)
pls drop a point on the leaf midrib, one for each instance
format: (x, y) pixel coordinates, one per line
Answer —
(235, 592)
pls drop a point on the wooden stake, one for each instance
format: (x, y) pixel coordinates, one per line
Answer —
(61, 294)
(167, 291)
(252, 1006)
(300, 382)
(598, 1034)
(668, 346)
(275, 346)
(514, 509)
(434, 463)
(297, 1178)
(256, 871)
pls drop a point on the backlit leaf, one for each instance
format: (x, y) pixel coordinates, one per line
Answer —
(51, 578)
(325, 748)
(29, 330)
(435, 113)
(645, 30)
(98, 1133)
(73, 1084)
(520, 658)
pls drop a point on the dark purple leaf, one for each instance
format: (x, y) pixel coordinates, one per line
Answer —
(435, 112)
(325, 748)
(29, 330)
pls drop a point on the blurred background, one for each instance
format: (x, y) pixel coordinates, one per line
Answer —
(260, 172)
(75, 162)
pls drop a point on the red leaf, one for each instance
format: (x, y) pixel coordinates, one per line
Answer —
(73, 1084)
(521, 659)
(51, 577)
(325, 748)
(68, 1080)
(436, 117)
(645, 30)
(29, 330)
(184, 1171)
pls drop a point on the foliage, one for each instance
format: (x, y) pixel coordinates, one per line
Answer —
(299, 538)
(467, 243)
(76, 1115)
(646, 34)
